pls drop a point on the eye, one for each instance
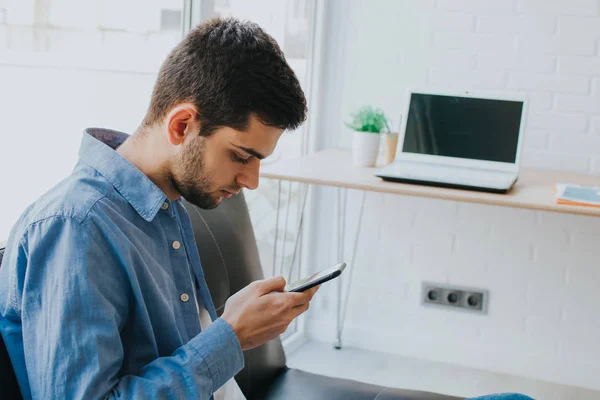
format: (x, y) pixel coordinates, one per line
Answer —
(237, 158)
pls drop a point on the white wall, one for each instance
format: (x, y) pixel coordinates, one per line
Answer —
(542, 269)
(58, 79)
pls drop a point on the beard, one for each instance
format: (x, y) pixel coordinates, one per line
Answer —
(190, 178)
(195, 194)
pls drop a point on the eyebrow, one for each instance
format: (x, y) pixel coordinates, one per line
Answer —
(250, 151)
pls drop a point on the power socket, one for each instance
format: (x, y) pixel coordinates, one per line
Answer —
(463, 298)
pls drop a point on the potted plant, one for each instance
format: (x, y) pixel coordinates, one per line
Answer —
(367, 123)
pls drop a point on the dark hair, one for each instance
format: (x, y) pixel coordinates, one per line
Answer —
(229, 69)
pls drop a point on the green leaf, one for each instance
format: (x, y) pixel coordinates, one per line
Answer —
(368, 119)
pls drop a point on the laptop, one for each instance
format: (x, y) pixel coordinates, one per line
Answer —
(459, 141)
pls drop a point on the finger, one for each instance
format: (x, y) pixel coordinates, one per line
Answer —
(312, 291)
(306, 296)
(298, 310)
(275, 284)
(297, 299)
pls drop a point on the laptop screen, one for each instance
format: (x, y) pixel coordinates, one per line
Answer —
(463, 127)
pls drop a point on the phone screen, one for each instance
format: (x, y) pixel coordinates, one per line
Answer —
(319, 276)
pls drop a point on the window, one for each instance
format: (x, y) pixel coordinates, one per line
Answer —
(66, 65)
(170, 20)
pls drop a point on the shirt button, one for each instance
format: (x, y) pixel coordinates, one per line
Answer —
(184, 297)
(176, 245)
(164, 206)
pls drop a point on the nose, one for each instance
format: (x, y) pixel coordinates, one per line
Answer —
(249, 177)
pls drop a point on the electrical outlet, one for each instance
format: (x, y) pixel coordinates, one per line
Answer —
(463, 298)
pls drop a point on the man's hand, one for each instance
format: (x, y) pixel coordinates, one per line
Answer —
(262, 311)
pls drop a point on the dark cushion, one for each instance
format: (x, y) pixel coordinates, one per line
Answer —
(9, 389)
(299, 385)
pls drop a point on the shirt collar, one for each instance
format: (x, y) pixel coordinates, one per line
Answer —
(98, 150)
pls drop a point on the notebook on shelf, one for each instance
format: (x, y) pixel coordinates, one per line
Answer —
(577, 195)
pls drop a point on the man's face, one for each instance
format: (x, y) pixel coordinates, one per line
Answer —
(210, 169)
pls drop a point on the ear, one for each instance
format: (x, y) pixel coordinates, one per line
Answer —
(181, 122)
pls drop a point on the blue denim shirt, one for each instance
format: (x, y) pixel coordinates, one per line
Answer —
(97, 296)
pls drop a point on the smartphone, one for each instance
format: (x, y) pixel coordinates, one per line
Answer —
(316, 279)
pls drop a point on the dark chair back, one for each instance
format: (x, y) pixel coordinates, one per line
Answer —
(9, 388)
(230, 261)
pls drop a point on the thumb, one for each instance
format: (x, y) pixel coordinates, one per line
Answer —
(275, 284)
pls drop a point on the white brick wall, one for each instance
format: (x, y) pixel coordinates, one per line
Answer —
(585, 27)
(516, 62)
(542, 269)
(516, 24)
(470, 41)
(577, 103)
(536, 140)
(540, 101)
(453, 21)
(579, 65)
(580, 8)
(563, 44)
(458, 78)
(549, 82)
(479, 7)
(562, 123)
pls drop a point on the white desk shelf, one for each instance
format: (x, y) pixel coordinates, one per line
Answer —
(533, 190)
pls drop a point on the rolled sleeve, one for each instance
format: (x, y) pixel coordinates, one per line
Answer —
(220, 350)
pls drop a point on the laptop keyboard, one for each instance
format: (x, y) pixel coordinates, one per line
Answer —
(449, 174)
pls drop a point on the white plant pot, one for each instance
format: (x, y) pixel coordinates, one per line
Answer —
(365, 148)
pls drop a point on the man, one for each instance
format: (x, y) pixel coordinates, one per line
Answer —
(102, 293)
